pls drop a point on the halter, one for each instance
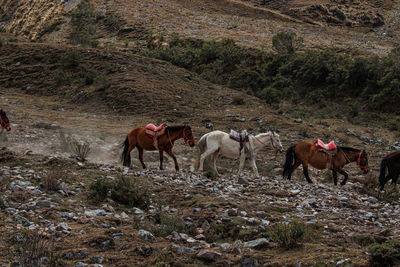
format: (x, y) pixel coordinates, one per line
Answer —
(358, 163)
(3, 123)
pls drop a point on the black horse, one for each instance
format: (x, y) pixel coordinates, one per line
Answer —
(5, 123)
(392, 163)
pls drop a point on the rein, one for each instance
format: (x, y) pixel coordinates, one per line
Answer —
(272, 143)
(185, 138)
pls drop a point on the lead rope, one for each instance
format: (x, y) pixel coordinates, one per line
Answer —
(347, 158)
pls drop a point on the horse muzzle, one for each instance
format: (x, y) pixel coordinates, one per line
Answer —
(8, 128)
(191, 144)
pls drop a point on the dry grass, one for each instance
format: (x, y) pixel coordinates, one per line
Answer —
(52, 180)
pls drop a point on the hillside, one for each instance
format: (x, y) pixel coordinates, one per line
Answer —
(98, 213)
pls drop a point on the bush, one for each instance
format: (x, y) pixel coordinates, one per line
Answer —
(385, 254)
(288, 235)
(98, 190)
(62, 78)
(127, 191)
(286, 42)
(72, 59)
(1, 41)
(83, 20)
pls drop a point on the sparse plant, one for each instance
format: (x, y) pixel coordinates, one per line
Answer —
(52, 180)
(80, 148)
(2, 29)
(112, 21)
(30, 248)
(289, 235)
(390, 193)
(99, 189)
(127, 191)
(167, 223)
(83, 20)
(385, 254)
(1, 41)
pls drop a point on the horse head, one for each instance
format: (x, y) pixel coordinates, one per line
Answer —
(5, 123)
(188, 135)
(276, 142)
(362, 161)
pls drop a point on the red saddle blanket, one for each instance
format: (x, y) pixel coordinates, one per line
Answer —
(320, 144)
(238, 136)
(153, 131)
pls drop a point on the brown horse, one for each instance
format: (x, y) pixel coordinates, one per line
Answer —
(138, 138)
(5, 123)
(307, 153)
(392, 162)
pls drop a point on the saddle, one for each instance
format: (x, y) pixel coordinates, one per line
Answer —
(329, 150)
(155, 132)
(242, 138)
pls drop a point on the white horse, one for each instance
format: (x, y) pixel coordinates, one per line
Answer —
(218, 142)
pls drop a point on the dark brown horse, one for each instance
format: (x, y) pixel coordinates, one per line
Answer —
(139, 139)
(306, 153)
(392, 163)
(5, 123)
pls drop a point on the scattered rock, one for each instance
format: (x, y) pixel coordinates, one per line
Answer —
(208, 255)
(248, 262)
(257, 243)
(147, 235)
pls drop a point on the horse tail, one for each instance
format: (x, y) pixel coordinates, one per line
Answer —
(289, 161)
(382, 173)
(125, 158)
(202, 145)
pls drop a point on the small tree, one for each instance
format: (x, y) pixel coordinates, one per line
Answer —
(286, 42)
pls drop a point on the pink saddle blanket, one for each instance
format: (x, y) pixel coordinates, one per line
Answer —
(152, 130)
(238, 136)
(320, 144)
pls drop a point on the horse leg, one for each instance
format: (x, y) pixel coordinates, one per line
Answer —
(141, 157)
(346, 176)
(169, 152)
(161, 152)
(334, 174)
(242, 161)
(292, 168)
(215, 157)
(203, 157)
(254, 166)
(305, 172)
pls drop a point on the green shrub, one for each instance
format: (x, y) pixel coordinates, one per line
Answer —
(72, 59)
(385, 254)
(288, 235)
(62, 78)
(127, 191)
(98, 190)
(89, 77)
(1, 41)
(2, 29)
(83, 19)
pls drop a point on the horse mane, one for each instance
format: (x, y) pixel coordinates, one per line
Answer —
(348, 149)
(176, 127)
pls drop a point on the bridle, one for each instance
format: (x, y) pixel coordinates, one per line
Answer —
(185, 137)
(365, 168)
(3, 123)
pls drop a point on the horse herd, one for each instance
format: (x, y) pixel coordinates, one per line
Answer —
(217, 143)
